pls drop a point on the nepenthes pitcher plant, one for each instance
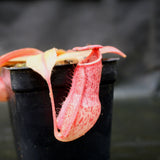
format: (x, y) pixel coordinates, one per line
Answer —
(81, 108)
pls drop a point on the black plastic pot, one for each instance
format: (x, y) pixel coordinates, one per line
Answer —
(31, 116)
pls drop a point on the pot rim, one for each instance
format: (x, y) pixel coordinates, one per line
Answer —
(104, 60)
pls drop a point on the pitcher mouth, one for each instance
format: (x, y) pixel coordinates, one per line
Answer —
(90, 63)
